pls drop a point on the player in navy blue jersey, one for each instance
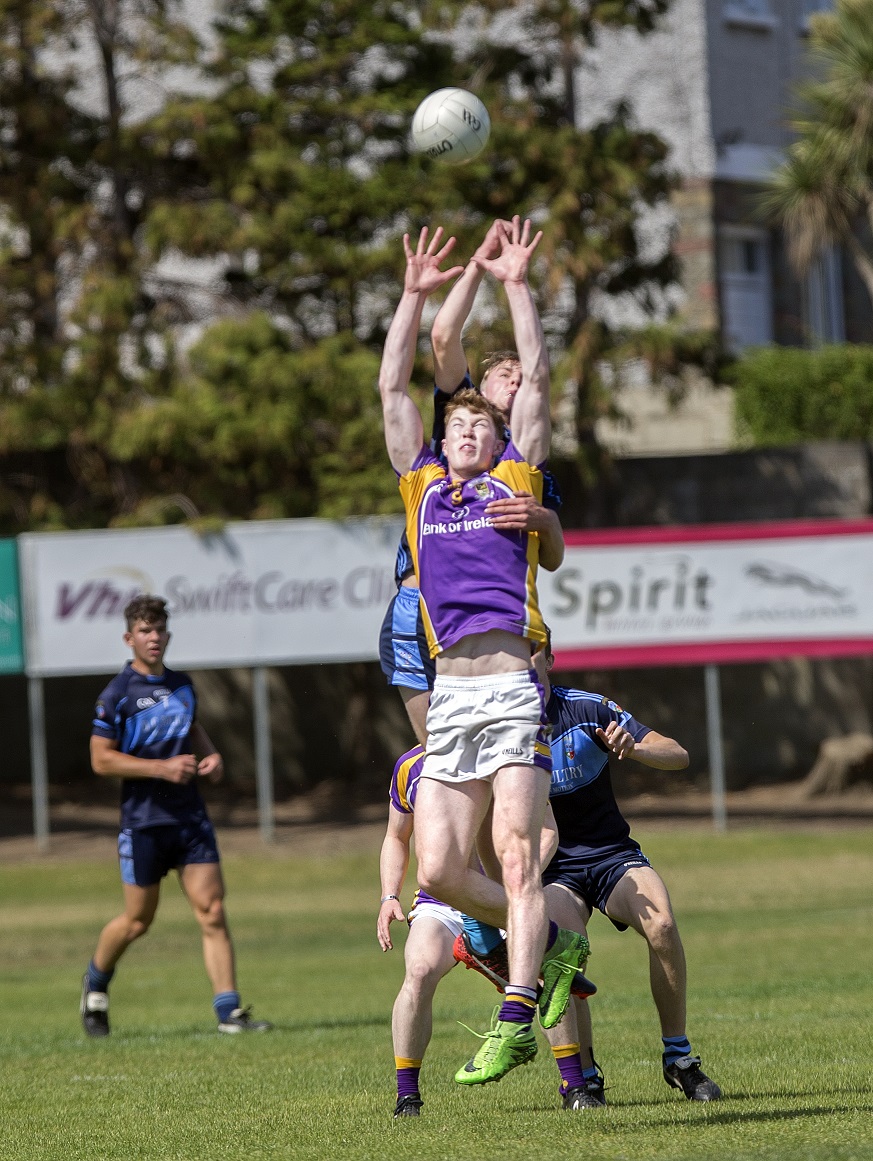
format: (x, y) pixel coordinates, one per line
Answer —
(599, 866)
(146, 733)
(403, 650)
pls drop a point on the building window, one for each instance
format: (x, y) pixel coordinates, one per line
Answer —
(823, 317)
(746, 289)
(750, 13)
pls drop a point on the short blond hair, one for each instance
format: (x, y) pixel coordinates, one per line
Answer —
(473, 401)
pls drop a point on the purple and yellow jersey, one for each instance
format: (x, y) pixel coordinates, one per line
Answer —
(404, 787)
(472, 576)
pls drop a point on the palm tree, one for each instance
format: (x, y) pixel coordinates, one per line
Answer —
(823, 192)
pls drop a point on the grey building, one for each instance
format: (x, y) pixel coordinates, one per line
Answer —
(716, 82)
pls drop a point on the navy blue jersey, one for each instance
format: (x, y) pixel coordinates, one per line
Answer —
(581, 794)
(151, 717)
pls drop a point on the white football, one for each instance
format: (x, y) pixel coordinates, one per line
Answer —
(451, 125)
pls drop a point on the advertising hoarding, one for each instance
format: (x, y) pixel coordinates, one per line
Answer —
(708, 594)
(296, 591)
(260, 593)
(11, 643)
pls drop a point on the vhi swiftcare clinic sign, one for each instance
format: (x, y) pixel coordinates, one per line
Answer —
(711, 593)
(260, 593)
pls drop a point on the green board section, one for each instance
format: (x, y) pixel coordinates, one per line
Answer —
(11, 647)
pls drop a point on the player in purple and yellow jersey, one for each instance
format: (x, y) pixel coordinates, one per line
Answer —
(434, 929)
(145, 732)
(403, 646)
(486, 722)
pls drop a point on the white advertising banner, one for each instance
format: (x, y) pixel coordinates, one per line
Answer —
(703, 594)
(260, 593)
(296, 591)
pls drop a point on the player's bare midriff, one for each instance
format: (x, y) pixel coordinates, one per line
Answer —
(497, 651)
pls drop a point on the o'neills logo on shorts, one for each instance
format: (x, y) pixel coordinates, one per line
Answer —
(514, 753)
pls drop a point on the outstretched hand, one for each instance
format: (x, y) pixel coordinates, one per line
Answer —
(491, 244)
(423, 274)
(516, 250)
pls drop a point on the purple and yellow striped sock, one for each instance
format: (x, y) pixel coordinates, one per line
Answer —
(569, 1062)
(519, 1004)
(407, 1076)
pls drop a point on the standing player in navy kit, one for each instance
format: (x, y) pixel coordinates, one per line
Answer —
(145, 733)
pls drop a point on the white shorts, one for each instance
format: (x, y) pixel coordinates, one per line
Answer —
(442, 912)
(476, 725)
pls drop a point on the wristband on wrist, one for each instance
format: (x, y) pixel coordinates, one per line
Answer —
(385, 898)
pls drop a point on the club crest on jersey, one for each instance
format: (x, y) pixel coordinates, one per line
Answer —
(482, 489)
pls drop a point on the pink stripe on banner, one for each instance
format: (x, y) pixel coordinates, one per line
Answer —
(677, 533)
(706, 653)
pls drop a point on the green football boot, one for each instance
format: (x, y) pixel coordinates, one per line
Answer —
(505, 1047)
(567, 955)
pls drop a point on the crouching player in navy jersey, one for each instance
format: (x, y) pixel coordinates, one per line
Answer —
(598, 865)
(145, 732)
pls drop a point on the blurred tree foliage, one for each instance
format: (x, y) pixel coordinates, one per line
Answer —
(200, 249)
(786, 395)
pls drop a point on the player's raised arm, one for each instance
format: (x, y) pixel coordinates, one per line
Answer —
(404, 432)
(531, 421)
(449, 360)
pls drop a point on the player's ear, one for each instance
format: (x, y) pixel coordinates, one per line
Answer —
(128, 639)
(500, 448)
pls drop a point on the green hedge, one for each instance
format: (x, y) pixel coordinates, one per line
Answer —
(786, 395)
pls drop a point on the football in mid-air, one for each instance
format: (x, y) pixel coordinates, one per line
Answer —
(451, 125)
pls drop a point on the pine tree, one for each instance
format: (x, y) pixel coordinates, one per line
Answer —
(286, 174)
(307, 182)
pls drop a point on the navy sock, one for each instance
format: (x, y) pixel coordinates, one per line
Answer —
(481, 937)
(675, 1048)
(224, 1003)
(98, 981)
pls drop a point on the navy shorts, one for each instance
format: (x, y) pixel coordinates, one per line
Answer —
(146, 856)
(594, 880)
(403, 652)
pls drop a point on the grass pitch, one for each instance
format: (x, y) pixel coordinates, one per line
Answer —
(777, 928)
